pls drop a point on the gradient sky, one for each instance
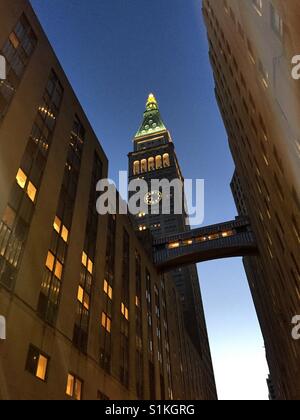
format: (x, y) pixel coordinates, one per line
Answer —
(114, 53)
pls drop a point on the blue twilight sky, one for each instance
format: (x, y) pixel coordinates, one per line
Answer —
(117, 51)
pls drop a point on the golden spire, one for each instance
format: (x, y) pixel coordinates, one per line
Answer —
(151, 102)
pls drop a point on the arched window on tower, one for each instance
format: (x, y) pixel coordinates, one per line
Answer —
(136, 168)
(158, 162)
(151, 164)
(166, 160)
(144, 166)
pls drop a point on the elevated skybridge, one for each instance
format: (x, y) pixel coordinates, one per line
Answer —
(226, 240)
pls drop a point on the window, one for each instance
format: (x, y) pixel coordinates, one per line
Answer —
(87, 263)
(21, 179)
(151, 164)
(106, 322)
(174, 245)
(74, 387)
(264, 74)
(61, 229)
(136, 168)
(37, 363)
(144, 166)
(250, 51)
(296, 228)
(258, 6)
(158, 162)
(9, 217)
(226, 6)
(83, 298)
(102, 397)
(49, 298)
(108, 289)
(85, 287)
(50, 261)
(166, 160)
(17, 51)
(276, 22)
(125, 311)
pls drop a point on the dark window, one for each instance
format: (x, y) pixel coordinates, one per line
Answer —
(102, 397)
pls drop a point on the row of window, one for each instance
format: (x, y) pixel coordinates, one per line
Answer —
(108, 285)
(17, 51)
(81, 327)
(151, 164)
(17, 217)
(37, 364)
(245, 139)
(212, 237)
(233, 107)
(57, 254)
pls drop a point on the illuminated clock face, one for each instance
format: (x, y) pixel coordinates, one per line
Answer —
(153, 198)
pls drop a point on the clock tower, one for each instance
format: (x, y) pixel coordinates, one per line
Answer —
(154, 157)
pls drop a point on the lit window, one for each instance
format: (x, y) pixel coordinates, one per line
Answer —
(174, 245)
(228, 233)
(158, 162)
(187, 242)
(14, 40)
(258, 6)
(83, 298)
(61, 229)
(31, 191)
(106, 322)
(264, 74)
(74, 387)
(108, 290)
(57, 224)
(80, 294)
(87, 263)
(166, 160)
(137, 301)
(42, 367)
(151, 164)
(65, 234)
(50, 261)
(86, 302)
(250, 51)
(90, 266)
(144, 166)
(125, 311)
(136, 168)
(58, 270)
(21, 178)
(84, 259)
(37, 363)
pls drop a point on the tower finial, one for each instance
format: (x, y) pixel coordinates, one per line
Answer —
(151, 102)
